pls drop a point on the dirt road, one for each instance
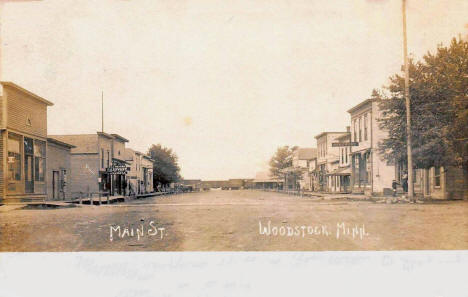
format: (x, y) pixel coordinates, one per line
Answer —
(239, 221)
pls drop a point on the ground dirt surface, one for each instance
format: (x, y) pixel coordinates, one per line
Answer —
(234, 221)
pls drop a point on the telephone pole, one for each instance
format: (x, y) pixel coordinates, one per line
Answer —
(102, 111)
(408, 109)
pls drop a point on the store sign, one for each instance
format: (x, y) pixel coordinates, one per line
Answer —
(339, 144)
(117, 169)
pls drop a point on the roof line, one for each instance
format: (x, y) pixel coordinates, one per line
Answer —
(23, 90)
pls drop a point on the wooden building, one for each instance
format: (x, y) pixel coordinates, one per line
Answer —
(23, 142)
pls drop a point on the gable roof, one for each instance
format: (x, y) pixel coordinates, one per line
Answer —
(306, 153)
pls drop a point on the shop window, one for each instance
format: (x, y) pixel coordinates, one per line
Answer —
(360, 130)
(102, 158)
(365, 126)
(14, 157)
(39, 160)
(355, 132)
(437, 177)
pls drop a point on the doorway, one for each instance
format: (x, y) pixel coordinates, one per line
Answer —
(55, 185)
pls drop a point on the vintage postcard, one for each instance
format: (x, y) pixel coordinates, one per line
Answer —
(257, 125)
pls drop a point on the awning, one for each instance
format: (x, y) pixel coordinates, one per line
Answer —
(341, 171)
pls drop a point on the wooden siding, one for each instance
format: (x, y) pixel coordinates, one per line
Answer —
(2, 166)
(20, 108)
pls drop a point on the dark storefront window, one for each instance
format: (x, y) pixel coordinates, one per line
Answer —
(14, 157)
(437, 176)
(28, 165)
(39, 160)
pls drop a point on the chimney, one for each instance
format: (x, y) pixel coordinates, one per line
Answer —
(348, 129)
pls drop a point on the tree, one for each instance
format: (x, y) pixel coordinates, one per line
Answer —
(165, 166)
(439, 110)
(282, 159)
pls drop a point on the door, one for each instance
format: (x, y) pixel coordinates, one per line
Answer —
(28, 174)
(55, 185)
(28, 165)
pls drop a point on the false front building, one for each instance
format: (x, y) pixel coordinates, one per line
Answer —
(23, 142)
(370, 174)
(97, 163)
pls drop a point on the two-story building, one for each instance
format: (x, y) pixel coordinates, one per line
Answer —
(97, 163)
(23, 145)
(370, 174)
(328, 159)
(339, 180)
(147, 174)
(134, 174)
(140, 175)
(301, 160)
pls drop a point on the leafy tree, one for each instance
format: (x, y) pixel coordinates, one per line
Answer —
(282, 159)
(165, 166)
(439, 109)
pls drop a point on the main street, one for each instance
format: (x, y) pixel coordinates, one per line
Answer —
(237, 220)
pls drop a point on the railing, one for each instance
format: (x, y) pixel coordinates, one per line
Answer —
(89, 195)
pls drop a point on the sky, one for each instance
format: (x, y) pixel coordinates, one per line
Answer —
(222, 83)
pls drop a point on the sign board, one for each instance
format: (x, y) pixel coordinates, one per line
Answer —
(117, 169)
(338, 144)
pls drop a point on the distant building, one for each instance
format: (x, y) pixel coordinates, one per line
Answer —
(98, 163)
(302, 157)
(328, 159)
(147, 174)
(339, 179)
(370, 174)
(23, 145)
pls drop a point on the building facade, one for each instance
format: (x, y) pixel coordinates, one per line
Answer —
(140, 175)
(328, 159)
(97, 163)
(58, 170)
(23, 145)
(301, 160)
(370, 174)
(339, 180)
(147, 174)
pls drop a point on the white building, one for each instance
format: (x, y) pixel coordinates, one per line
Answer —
(328, 158)
(370, 174)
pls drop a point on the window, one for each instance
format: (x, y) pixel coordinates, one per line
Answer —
(355, 132)
(360, 130)
(102, 158)
(365, 126)
(28, 161)
(14, 157)
(346, 155)
(437, 176)
(108, 159)
(39, 160)
(342, 155)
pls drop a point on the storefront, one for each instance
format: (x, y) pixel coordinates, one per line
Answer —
(23, 142)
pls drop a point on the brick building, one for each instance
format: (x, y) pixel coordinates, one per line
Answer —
(23, 142)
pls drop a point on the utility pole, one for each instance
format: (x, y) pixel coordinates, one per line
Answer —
(102, 111)
(408, 109)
